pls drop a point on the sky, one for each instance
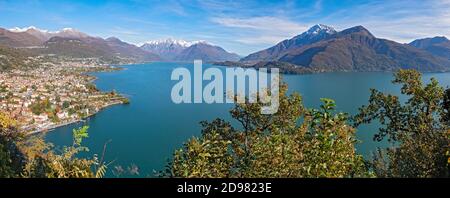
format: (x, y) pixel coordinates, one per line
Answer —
(243, 26)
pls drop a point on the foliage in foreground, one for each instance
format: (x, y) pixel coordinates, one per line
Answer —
(33, 157)
(322, 145)
(300, 142)
(294, 142)
(418, 128)
(11, 158)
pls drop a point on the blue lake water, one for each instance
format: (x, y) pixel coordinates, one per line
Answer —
(147, 131)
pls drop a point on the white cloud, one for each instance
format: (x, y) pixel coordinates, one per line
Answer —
(124, 31)
(261, 23)
(401, 21)
(261, 40)
(177, 8)
(262, 30)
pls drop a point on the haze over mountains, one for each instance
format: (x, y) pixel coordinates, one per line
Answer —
(322, 48)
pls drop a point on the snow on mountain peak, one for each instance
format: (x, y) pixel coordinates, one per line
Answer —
(201, 42)
(172, 41)
(68, 30)
(168, 41)
(317, 29)
(45, 34)
(17, 29)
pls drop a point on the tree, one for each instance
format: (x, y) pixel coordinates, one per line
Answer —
(446, 108)
(91, 87)
(33, 157)
(45, 162)
(40, 107)
(11, 158)
(66, 104)
(418, 128)
(206, 157)
(277, 145)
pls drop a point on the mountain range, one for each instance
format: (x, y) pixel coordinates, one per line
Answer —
(319, 49)
(167, 49)
(180, 50)
(322, 48)
(314, 34)
(44, 35)
(439, 46)
(72, 43)
(18, 39)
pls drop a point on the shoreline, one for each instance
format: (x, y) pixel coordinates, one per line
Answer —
(74, 121)
(50, 128)
(291, 69)
(45, 130)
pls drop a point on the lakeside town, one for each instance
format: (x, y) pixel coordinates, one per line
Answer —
(57, 92)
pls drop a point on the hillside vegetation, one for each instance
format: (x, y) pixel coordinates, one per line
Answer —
(12, 58)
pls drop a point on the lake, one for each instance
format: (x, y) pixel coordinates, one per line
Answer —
(147, 131)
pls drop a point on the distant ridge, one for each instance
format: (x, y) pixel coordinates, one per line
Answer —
(319, 49)
(124, 49)
(73, 43)
(206, 52)
(18, 39)
(167, 49)
(314, 34)
(180, 50)
(438, 46)
(45, 35)
(323, 49)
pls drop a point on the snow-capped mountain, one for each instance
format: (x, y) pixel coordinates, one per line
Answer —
(321, 48)
(69, 33)
(169, 42)
(315, 33)
(45, 35)
(18, 39)
(320, 29)
(73, 43)
(169, 48)
(17, 29)
(42, 35)
(181, 50)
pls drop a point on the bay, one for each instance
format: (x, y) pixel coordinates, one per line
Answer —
(147, 131)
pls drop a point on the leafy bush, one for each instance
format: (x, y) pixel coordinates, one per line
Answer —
(273, 145)
(418, 129)
(33, 157)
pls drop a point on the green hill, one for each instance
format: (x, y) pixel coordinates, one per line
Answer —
(12, 58)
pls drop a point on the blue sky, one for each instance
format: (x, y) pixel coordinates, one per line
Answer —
(243, 26)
